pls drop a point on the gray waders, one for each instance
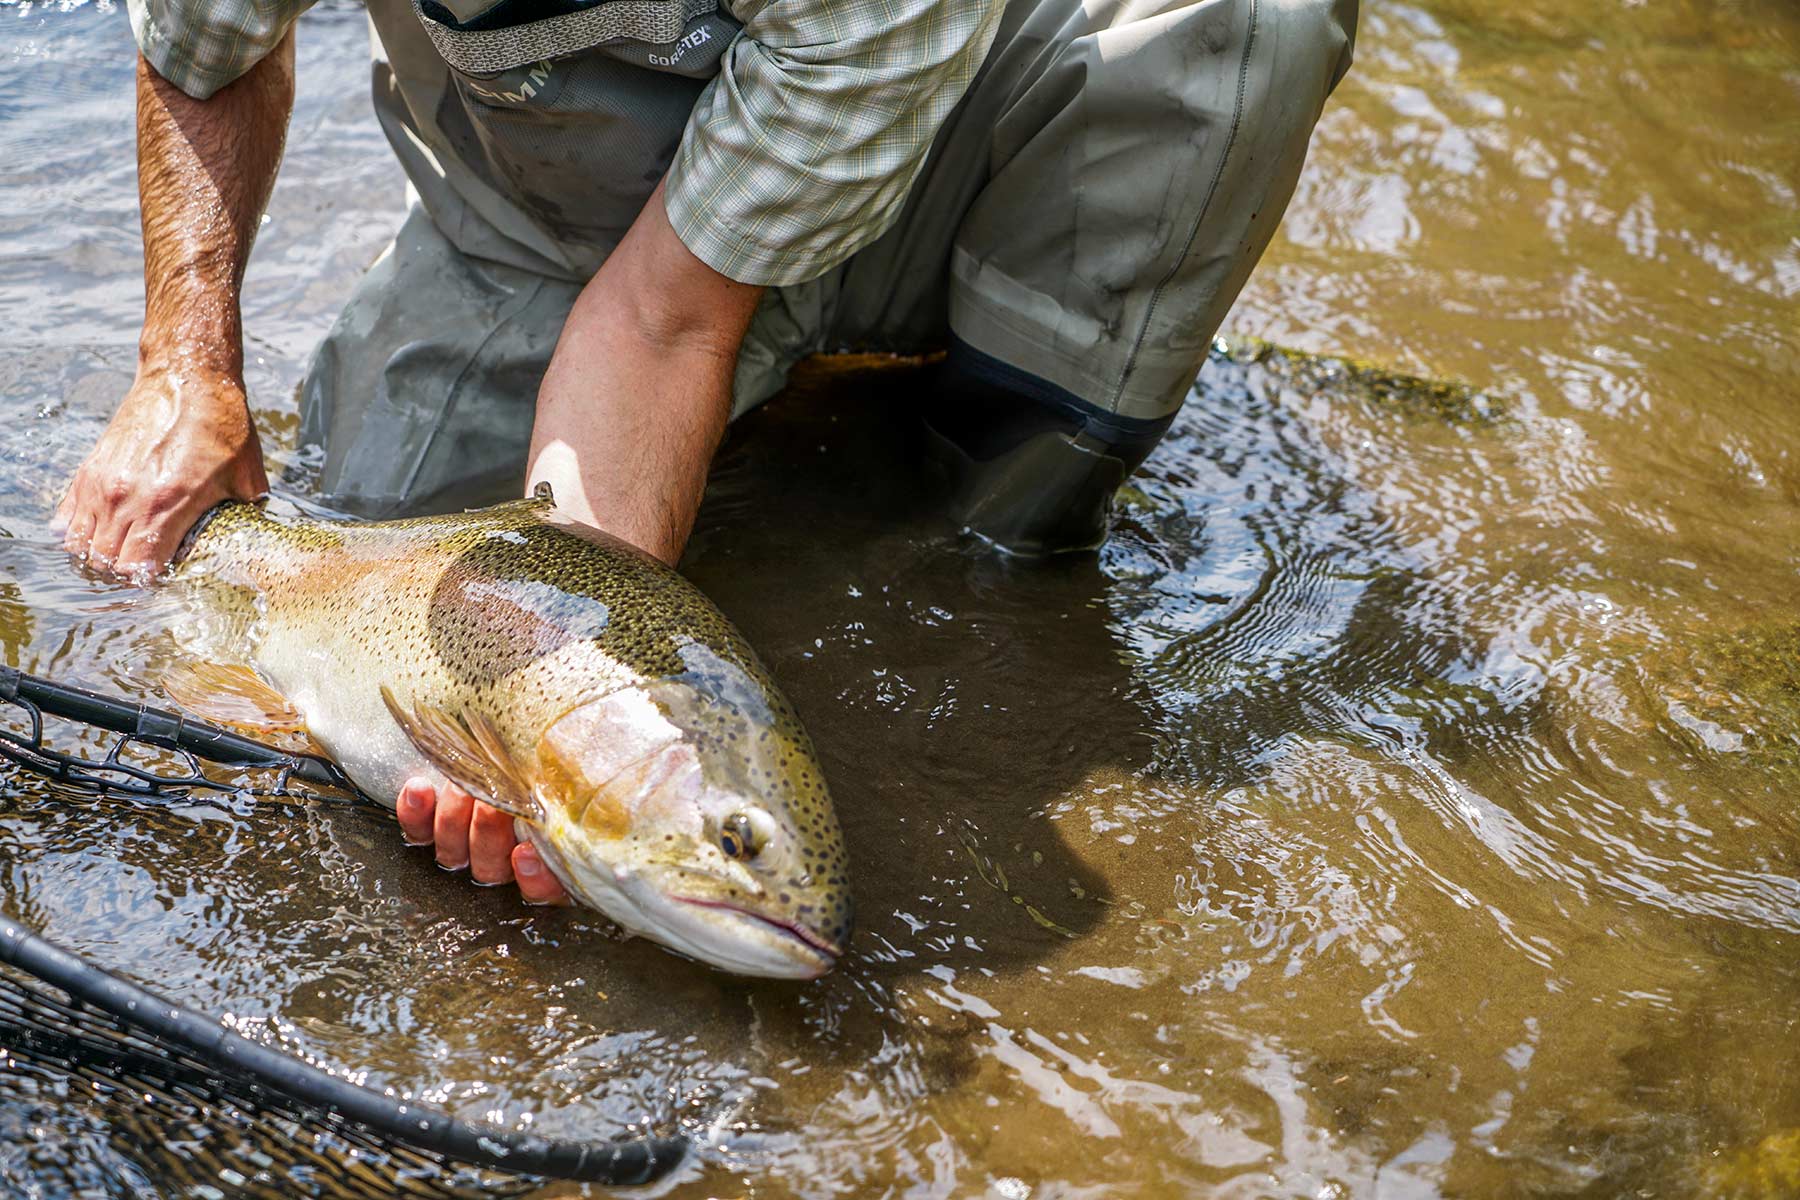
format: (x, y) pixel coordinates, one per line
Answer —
(1084, 221)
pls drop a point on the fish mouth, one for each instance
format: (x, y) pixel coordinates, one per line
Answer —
(815, 942)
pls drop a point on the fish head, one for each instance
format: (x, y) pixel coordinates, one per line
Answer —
(699, 821)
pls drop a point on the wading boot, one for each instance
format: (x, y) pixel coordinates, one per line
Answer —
(1031, 468)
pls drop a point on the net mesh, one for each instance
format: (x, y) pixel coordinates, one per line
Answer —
(189, 1127)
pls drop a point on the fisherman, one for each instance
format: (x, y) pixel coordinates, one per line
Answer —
(631, 218)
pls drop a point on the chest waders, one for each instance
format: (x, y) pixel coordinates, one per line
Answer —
(1077, 232)
(553, 130)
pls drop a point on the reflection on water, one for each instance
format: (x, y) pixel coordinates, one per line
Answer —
(1401, 803)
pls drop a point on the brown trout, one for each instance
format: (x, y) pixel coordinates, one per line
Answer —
(562, 676)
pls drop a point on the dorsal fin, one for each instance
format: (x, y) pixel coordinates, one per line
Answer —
(541, 500)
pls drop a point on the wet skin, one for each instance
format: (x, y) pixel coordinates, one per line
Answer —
(467, 833)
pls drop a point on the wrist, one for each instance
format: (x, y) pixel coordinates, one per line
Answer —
(193, 331)
(185, 393)
(206, 368)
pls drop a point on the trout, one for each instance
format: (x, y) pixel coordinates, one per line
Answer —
(564, 677)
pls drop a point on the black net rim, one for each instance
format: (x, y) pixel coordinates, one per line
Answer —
(621, 1162)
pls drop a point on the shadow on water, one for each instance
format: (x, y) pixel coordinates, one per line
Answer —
(913, 655)
(920, 661)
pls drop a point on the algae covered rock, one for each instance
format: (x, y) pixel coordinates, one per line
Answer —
(1767, 1170)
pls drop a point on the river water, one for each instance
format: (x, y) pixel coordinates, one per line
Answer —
(1402, 803)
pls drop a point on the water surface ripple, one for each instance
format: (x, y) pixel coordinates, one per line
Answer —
(1400, 804)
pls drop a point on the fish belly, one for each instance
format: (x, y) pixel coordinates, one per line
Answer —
(338, 692)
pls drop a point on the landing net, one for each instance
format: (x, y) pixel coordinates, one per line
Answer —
(195, 1106)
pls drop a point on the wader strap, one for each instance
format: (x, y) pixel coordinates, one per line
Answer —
(491, 51)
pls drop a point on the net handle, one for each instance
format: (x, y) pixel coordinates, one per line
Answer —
(618, 1163)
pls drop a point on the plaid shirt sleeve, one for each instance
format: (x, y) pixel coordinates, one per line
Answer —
(202, 45)
(803, 149)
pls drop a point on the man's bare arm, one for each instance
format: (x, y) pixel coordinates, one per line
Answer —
(639, 391)
(182, 439)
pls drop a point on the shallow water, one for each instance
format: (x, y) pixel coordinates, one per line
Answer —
(1402, 802)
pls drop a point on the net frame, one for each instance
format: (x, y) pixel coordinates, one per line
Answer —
(159, 729)
(146, 1039)
(63, 1013)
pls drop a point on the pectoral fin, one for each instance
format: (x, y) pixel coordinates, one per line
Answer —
(233, 695)
(470, 753)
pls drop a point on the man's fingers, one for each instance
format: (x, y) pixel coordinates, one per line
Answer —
(65, 509)
(110, 531)
(491, 845)
(479, 836)
(81, 526)
(450, 827)
(536, 884)
(144, 552)
(416, 808)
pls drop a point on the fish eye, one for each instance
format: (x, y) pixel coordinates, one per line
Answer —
(737, 838)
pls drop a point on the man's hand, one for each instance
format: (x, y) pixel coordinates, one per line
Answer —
(468, 833)
(179, 444)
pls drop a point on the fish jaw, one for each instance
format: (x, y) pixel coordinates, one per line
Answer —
(734, 937)
(653, 902)
(825, 951)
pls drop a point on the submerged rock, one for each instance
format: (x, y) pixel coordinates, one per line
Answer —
(1765, 1171)
(1448, 400)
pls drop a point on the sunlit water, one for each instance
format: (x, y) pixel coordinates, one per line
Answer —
(1403, 803)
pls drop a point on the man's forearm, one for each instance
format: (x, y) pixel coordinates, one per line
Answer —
(205, 170)
(626, 430)
(639, 391)
(182, 439)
